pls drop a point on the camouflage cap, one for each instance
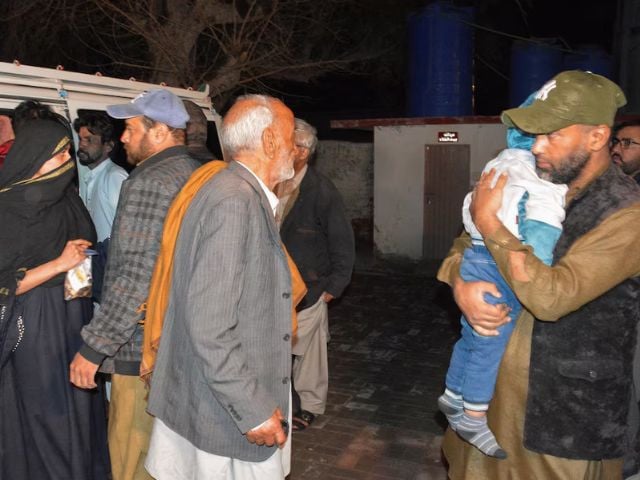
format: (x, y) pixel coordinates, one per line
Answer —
(570, 98)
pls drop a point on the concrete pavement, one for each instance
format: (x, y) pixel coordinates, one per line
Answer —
(391, 337)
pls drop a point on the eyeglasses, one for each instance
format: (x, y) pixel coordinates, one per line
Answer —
(624, 142)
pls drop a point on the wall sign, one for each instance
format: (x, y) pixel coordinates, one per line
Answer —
(447, 137)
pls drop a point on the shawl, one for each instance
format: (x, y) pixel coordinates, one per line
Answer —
(38, 215)
(161, 279)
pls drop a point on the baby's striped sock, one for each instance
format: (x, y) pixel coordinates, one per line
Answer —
(475, 430)
(450, 404)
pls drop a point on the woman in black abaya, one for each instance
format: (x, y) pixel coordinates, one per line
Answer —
(49, 430)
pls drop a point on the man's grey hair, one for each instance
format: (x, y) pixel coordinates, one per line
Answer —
(245, 131)
(306, 136)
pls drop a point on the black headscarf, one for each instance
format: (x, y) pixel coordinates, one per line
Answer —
(37, 215)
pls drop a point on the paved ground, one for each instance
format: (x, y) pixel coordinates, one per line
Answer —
(391, 337)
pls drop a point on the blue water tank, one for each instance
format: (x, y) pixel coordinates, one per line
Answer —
(592, 58)
(532, 64)
(440, 61)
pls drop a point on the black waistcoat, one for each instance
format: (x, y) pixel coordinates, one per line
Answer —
(580, 374)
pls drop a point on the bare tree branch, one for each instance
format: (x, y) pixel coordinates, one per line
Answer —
(227, 44)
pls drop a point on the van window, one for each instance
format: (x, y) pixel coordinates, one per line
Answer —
(118, 155)
(213, 141)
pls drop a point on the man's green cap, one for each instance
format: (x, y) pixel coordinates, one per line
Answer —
(570, 98)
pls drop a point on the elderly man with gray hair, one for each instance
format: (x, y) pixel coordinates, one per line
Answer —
(316, 231)
(220, 391)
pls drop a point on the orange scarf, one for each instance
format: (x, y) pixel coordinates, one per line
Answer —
(161, 280)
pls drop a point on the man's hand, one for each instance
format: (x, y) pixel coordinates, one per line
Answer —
(82, 372)
(270, 432)
(482, 316)
(326, 297)
(486, 202)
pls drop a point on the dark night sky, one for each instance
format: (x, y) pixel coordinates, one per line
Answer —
(381, 92)
(584, 21)
(378, 88)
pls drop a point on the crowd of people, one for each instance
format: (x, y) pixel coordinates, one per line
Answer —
(210, 316)
(220, 391)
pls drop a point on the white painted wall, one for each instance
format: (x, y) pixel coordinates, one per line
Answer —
(398, 185)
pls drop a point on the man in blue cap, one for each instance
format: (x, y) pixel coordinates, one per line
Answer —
(154, 139)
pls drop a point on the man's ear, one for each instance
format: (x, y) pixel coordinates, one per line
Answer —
(307, 154)
(108, 147)
(158, 133)
(269, 144)
(599, 137)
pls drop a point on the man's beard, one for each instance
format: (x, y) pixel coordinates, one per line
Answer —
(86, 159)
(287, 173)
(629, 168)
(139, 154)
(568, 170)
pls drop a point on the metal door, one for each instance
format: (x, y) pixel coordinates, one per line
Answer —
(446, 182)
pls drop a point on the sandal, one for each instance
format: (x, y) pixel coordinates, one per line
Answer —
(301, 420)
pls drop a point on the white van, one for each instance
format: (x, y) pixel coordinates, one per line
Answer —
(70, 93)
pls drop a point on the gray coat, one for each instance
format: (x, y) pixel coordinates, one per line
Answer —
(225, 355)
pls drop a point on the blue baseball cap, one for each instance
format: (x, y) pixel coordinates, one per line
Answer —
(159, 105)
